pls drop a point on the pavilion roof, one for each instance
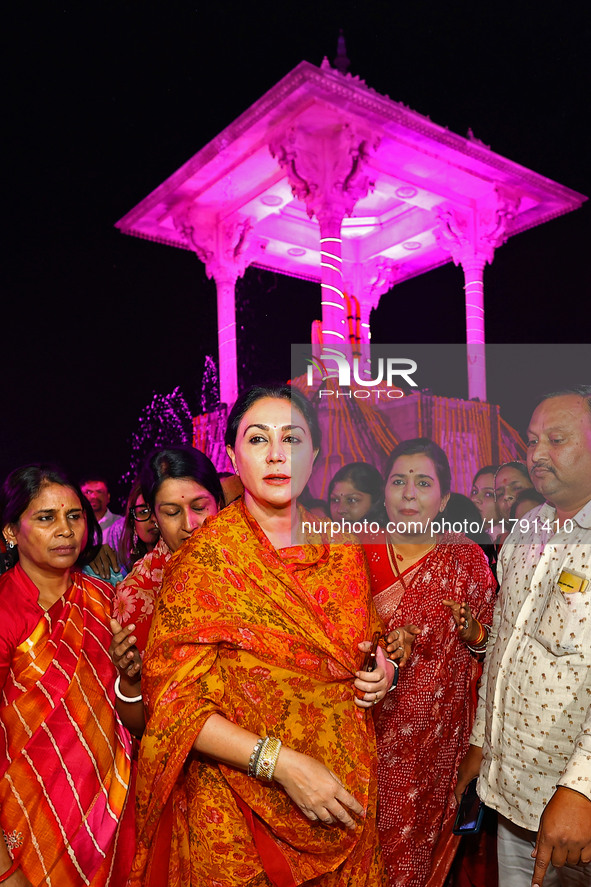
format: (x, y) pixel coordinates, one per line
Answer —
(419, 168)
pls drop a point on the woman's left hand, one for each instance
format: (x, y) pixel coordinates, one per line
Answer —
(373, 685)
(468, 626)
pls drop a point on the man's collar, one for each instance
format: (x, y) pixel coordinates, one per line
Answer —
(582, 517)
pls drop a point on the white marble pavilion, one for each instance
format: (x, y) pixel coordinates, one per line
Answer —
(325, 179)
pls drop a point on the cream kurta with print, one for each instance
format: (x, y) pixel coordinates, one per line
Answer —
(534, 713)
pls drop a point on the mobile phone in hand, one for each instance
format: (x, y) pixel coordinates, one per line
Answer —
(370, 662)
(470, 812)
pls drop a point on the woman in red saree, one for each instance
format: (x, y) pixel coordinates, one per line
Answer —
(256, 636)
(64, 755)
(442, 585)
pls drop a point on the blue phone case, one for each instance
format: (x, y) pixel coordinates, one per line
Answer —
(470, 812)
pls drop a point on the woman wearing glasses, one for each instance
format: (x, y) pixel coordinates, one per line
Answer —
(140, 530)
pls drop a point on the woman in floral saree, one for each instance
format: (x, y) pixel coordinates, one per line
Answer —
(252, 667)
(180, 488)
(64, 755)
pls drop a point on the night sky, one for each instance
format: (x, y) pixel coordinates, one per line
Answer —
(104, 101)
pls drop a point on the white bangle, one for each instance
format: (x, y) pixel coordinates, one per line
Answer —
(120, 695)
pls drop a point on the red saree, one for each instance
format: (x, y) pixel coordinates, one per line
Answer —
(64, 755)
(269, 640)
(424, 725)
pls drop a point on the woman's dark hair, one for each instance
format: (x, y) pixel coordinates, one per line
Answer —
(179, 462)
(518, 466)
(367, 479)
(310, 502)
(282, 392)
(423, 446)
(486, 469)
(130, 547)
(23, 484)
(461, 509)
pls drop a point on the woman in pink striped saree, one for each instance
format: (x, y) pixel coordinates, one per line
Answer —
(64, 755)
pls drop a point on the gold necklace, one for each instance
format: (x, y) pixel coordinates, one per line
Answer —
(413, 558)
(394, 557)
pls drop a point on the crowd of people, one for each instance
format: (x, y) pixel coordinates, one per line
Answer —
(225, 686)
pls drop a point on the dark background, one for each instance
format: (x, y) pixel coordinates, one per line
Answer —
(104, 101)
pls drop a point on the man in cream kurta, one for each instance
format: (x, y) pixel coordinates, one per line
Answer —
(532, 734)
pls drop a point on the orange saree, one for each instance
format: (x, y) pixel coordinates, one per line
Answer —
(64, 755)
(268, 640)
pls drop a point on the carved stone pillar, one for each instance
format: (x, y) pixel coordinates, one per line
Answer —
(334, 316)
(222, 247)
(473, 267)
(324, 165)
(471, 236)
(225, 281)
(369, 281)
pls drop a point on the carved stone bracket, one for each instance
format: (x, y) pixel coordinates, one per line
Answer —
(326, 167)
(378, 276)
(474, 235)
(223, 247)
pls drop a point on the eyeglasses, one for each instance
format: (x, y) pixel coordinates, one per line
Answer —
(141, 512)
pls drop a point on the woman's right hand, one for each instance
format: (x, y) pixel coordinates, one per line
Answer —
(125, 656)
(317, 792)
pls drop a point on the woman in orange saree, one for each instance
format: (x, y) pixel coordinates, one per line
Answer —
(255, 637)
(64, 755)
(442, 585)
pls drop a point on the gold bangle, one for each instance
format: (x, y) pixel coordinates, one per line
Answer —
(481, 636)
(481, 643)
(265, 767)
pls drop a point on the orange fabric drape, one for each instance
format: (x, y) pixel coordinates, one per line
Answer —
(64, 755)
(269, 640)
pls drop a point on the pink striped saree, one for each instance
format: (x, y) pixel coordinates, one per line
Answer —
(64, 755)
